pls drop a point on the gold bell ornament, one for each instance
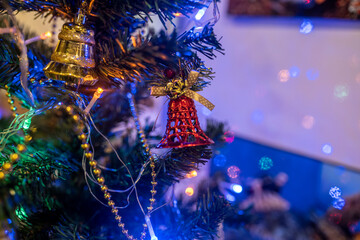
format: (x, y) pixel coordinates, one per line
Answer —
(73, 60)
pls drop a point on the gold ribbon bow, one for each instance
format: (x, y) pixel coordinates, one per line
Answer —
(177, 88)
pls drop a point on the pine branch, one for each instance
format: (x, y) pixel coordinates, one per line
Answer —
(201, 224)
(204, 42)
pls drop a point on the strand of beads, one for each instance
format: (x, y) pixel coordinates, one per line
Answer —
(20, 148)
(147, 152)
(83, 137)
(15, 156)
(11, 101)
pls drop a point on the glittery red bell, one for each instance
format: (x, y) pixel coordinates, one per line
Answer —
(183, 128)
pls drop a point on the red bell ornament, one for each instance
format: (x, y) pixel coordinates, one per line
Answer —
(183, 128)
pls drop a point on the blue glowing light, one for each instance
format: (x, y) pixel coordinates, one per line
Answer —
(200, 14)
(236, 188)
(338, 203)
(306, 27)
(294, 71)
(335, 192)
(230, 197)
(327, 149)
(220, 160)
(9, 221)
(265, 163)
(312, 74)
(154, 238)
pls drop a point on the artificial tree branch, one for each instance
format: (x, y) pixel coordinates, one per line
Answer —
(23, 59)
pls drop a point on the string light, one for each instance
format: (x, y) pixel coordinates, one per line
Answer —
(191, 174)
(236, 188)
(200, 14)
(189, 191)
(151, 230)
(43, 36)
(95, 97)
(7, 30)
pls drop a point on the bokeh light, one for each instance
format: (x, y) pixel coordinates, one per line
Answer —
(308, 122)
(191, 174)
(327, 149)
(200, 14)
(338, 203)
(229, 136)
(219, 160)
(341, 91)
(312, 74)
(257, 116)
(357, 78)
(189, 191)
(294, 71)
(265, 163)
(230, 197)
(233, 171)
(237, 188)
(306, 26)
(335, 218)
(284, 75)
(335, 192)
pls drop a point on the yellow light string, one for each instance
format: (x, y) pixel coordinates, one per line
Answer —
(42, 36)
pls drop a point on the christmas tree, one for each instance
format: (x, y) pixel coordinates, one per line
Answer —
(66, 170)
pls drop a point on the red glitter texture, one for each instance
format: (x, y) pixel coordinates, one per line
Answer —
(183, 128)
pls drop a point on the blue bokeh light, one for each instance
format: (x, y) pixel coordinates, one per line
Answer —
(230, 197)
(335, 192)
(312, 74)
(327, 149)
(306, 27)
(219, 160)
(236, 188)
(338, 203)
(200, 14)
(294, 71)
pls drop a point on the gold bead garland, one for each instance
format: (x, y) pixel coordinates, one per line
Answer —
(101, 180)
(11, 101)
(21, 148)
(97, 172)
(148, 153)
